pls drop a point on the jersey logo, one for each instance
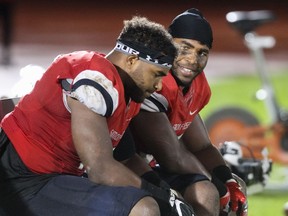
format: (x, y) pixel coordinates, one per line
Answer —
(192, 113)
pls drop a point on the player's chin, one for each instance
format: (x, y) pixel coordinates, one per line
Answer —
(186, 81)
(146, 94)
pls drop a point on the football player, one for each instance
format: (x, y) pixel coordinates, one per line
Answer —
(69, 124)
(169, 126)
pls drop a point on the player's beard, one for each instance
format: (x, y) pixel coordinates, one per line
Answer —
(179, 81)
(132, 90)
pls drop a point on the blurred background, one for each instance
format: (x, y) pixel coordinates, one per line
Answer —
(34, 32)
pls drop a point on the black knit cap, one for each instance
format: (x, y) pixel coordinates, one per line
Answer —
(192, 25)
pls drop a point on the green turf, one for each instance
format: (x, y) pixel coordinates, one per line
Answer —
(240, 91)
(270, 202)
(267, 204)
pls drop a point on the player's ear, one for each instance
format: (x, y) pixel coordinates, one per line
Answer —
(132, 59)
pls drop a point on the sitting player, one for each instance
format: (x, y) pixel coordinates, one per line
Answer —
(170, 128)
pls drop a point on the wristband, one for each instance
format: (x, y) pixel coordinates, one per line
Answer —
(221, 187)
(156, 192)
(161, 196)
(223, 173)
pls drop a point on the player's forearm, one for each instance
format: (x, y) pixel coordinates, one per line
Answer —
(137, 164)
(195, 166)
(210, 157)
(113, 173)
(182, 162)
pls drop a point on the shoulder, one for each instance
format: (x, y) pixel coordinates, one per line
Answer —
(81, 57)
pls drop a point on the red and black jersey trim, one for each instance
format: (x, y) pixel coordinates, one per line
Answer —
(107, 97)
(159, 105)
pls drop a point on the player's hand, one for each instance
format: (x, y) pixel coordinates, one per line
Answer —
(179, 206)
(225, 204)
(238, 201)
(169, 203)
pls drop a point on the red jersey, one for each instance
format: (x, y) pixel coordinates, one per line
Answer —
(40, 125)
(180, 109)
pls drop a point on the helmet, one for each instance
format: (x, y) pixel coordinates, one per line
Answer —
(231, 152)
(251, 170)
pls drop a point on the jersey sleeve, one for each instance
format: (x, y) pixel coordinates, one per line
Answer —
(155, 103)
(95, 91)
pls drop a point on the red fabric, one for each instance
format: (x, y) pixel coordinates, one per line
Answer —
(39, 127)
(183, 108)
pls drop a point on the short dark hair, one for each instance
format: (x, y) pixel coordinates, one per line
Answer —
(149, 34)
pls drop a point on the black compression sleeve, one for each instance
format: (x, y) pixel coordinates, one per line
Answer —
(223, 173)
(161, 196)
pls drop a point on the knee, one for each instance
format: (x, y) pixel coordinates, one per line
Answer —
(147, 206)
(202, 191)
(204, 198)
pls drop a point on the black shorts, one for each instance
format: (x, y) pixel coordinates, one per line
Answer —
(26, 193)
(179, 182)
